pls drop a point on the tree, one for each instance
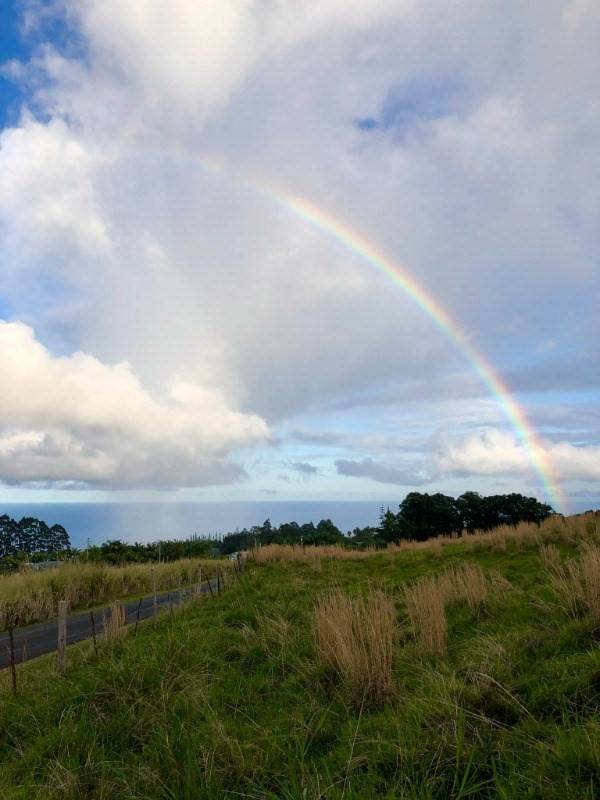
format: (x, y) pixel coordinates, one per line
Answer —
(327, 533)
(29, 536)
(388, 529)
(7, 536)
(364, 537)
(422, 516)
(472, 509)
(115, 551)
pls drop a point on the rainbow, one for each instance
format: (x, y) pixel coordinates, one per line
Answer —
(354, 242)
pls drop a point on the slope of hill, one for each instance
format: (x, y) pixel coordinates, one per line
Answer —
(452, 669)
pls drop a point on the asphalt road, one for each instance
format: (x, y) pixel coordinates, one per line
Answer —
(37, 640)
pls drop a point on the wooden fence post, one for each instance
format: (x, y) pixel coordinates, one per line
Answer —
(94, 632)
(154, 591)
(137, 617)
(13, 668)
(62, 636)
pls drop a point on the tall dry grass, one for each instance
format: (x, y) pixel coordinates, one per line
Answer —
(355, 639)
(590, 579)
(570, 530)
(467, 583)
(310, 554)
(565, 580)
(426, 600)
(425, 607)
(31, 596)
(549, 555)
(577, 582)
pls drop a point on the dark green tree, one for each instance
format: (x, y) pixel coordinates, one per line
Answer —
(8, 530)
(423, 516)
(388, 529)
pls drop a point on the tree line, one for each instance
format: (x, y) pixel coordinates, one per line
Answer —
(115, 551)
(29, 536)
(420, 516)
(423, 516)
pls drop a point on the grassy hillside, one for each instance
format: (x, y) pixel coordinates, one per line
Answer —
(484, 682)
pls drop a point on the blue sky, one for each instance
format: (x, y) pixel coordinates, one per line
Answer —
(174, 332)
(11, 47)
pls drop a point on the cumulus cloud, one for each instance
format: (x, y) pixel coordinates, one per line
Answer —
(47, 194)
(377, 471)
(181, 61)
(498, 453)
(73, 418)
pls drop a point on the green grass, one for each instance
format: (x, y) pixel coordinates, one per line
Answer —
(227, 698)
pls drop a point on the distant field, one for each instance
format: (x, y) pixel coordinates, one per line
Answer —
(466, 669)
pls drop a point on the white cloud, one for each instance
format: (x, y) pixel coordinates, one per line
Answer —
(156, 65)
(496, 453)
(48, 199)
(73, 418)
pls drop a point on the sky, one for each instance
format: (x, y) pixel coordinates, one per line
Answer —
(303, 250)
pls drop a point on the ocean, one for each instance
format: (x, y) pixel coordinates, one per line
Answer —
(144, 522)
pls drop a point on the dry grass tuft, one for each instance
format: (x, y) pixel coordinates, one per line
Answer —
(467, 583)
(355, 639)
(426, 612)
(566, 583)
(577, 582)
(590, 579)
(549, 555)
(472, 586)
